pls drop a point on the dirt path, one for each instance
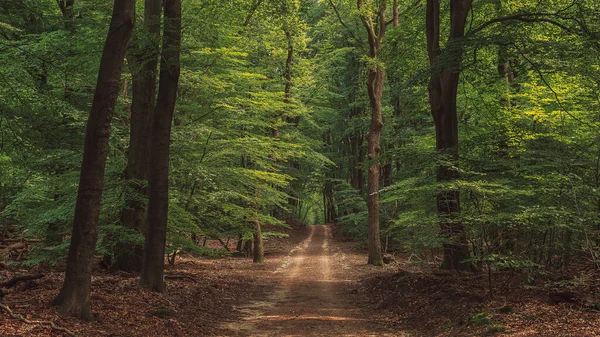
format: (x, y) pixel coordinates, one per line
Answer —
(313, 298)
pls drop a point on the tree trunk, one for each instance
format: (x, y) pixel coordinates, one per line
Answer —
(158, 182)
(66, 8)
(143, 60)
(259, 253)
(293, 164)
(387, 171)
(443, 87)
(375, 85)
(329, 203)
(375, 33)
(356, 154)
(247, 250)
(74, 296)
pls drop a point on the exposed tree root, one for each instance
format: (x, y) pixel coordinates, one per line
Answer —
(24, 320)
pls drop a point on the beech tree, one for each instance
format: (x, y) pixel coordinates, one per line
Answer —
(376, 31)
(158, 182)
(443, 86)
(143, 61)
(74, 296)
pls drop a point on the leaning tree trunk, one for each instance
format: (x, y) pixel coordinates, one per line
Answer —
(375, 33)
(158, 183)
(443, 87)
(143, 60)
(74, 296)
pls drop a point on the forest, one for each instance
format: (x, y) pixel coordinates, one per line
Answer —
(299, 168)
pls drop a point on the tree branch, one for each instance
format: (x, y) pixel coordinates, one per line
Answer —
(251, 12)
(342, 22)
(523, 17)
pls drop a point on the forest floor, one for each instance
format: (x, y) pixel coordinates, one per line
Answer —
(311, 284)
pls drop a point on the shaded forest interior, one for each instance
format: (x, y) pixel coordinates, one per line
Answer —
(450, 142)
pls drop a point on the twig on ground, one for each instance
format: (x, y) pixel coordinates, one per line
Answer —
(24, 320)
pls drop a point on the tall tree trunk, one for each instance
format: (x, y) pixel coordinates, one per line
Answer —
(74, 296)
(259, 251)
(443, 87)
(158, 182)
(387, 170)
(375, 33)
(143, 60)
(293, 163)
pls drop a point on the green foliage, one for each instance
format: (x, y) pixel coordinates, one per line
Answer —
(496, 328)
(481, 319)
(226, 169)
(527, 108)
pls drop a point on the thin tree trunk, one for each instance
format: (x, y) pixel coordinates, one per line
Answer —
(443, 87)
(74, 296)
(375, 33)
(143, 60)
(68, 14)
(395, 14)
(329, 203)
(66, 8)
(356, 155)
(259, 253)
(293, 164)
(387, 170)
(158, 182)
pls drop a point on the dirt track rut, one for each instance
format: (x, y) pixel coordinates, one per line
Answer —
(312, 298)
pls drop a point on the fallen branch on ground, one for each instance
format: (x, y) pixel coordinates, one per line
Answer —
(15, 280)
(24, 320)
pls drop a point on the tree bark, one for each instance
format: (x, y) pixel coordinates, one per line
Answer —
(158, 182)
(443, 87)
(74, 296)
(143, 60)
